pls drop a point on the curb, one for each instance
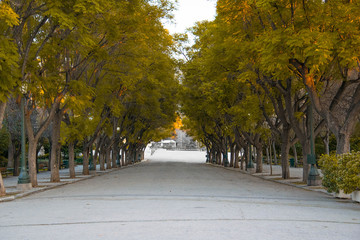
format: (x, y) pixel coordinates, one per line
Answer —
(60, 184)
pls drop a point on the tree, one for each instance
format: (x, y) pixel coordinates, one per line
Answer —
(8, 62)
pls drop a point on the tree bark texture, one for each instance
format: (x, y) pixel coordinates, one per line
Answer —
(259, 156)
(2, 187)
(244, 159)
(275, 157)
(236, 159)
(32, 162)
(285, 147)
(102, 160)
(326, 140)
(107, 158)
(56, 147)
(122, 157)
(86, 161)
(72, 159)
(295, 155)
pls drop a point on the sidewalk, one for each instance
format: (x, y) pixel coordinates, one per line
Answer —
(44, 183)
(295, 177)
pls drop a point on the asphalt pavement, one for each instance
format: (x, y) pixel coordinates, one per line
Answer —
(174, 195)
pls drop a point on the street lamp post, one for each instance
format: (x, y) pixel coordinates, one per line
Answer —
(118, 159)
(314, 176)
(92, 166)
(250, 163)
(24, 182)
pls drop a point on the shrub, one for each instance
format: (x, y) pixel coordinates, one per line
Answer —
(349, 172)
(330, 170)
(341, 172)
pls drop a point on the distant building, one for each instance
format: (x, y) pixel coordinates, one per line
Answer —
(180, 141)
(168, 144)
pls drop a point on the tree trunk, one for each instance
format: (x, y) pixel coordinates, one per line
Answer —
(72, 159)
(32, 161)
(218, 158)
(127, 157)
(122, 157)
(259, 156)
(285, 147)
(2, 187)
(17, 165)
(232, 155)
(135, 155)
(107, 158)
(237, 151)
(11, 153)
(275, 157)
(213, 152)
(244, 159)
(343, 143)
(86, 161)
(93, 159)
(55, 147)
(96, 154)
(326, 140)
(115, 153)
(102, 160)
(295, 155)
(49, 157)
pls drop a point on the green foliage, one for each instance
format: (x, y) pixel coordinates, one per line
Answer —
(4, 141)
(3, 161)
(341, 172)
(330, 170)
(349, 172)
(8, 52)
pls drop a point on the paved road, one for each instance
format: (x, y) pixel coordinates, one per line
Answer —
(164, 198)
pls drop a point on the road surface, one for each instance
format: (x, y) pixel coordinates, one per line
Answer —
(174, 195)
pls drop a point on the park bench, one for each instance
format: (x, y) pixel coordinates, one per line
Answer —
(5, 171)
